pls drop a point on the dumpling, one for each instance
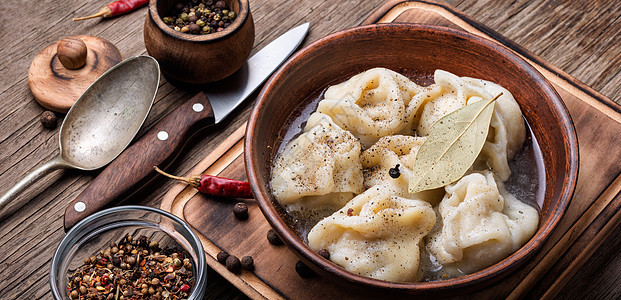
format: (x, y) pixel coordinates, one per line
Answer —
(324, 159)
(371, 104)
(479, 224)
(450, 92)
(377, 234)
(507, 130)
(389, 152)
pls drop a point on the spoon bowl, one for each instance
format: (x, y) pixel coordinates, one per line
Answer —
(103, 121)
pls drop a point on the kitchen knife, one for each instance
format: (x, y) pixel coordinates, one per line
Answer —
(161, 144)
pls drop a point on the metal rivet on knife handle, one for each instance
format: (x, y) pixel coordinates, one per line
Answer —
(162, 135)
(79, 206)
(197, 107)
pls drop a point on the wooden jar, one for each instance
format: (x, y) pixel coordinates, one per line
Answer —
(198, 59)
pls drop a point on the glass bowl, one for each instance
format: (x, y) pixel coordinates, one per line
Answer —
(97, 231)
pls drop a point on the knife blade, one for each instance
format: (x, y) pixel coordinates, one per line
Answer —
(161, 144)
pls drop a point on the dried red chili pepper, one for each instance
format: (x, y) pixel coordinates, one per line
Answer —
(116, 8)
(185, 288)
(215, 186)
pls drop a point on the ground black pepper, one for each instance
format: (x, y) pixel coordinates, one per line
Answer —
(131, 270)
(202, 17)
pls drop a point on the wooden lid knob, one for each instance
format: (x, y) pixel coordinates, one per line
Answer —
(72, 53)
(62, 71)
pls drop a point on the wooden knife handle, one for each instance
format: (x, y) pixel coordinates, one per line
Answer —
(134, 166)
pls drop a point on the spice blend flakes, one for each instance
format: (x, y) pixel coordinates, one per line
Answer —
(134, 269)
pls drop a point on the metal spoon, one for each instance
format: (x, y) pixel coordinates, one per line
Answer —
(103, 121)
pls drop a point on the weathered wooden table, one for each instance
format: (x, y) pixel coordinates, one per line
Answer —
(580, 37)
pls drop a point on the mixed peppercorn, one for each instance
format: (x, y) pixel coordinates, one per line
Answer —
(133, 269)
(201, 17)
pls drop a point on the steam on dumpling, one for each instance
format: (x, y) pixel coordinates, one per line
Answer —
(389, 152)
(450, 92)
(377, 234)
(323, 160)
(479, 224)
(371, 104)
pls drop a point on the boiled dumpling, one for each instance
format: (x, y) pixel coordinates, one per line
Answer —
(389, 152)
(450, 92)
(479, 224)
(377, 234)
(371, 104)
(507, 130)
(324, 159)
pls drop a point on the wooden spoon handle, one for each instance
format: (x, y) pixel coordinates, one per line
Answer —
(134, 167)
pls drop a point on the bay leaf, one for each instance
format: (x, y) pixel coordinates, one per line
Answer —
(452, 146)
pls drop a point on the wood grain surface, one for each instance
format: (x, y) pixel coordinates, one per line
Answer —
(579, 37)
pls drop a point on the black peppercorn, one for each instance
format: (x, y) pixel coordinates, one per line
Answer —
(222, 256)
(303, 270)
(194, 28)
(247, 263)
(240, 210)
(221, 4)
(142, 241)
(116, 261)
(233, 264)
(394, 172)
(324, 253)
(49, 120)
(273, 238)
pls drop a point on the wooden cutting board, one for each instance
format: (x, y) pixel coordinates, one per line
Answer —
(591, 216)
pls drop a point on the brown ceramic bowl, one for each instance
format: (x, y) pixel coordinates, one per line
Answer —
(408, 48)
(198, 59)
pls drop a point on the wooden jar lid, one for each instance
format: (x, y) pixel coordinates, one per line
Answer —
(56, 87)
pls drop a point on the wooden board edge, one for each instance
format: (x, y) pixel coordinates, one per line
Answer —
(393, 8)
(175, 199)
(381, 11)
(568, 239)
(257, 289)
(587, 252)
